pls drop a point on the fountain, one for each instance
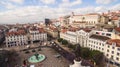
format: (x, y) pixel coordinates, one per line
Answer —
(36, 58)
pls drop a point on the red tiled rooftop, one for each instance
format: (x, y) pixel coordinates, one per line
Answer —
(87, 30)
(19, 32)
(117, 29)
(41, 30)
(117, 41)
(92, 14)
(73, 29)
(115, 18)
(64, 30)
(53, 28)
(78, 15)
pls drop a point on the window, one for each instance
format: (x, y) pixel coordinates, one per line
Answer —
(103, 33)
(107, 54)
(89, 40)
(99, 47)
(117, 58)
(97, 32)
(112, 52)
(118, 54)
(108, 46)
(107, 50)
(96, 47)
(92, 41)
(113, 47)
(118, 49)
(102, 44)
(108, 34)
(111, 56)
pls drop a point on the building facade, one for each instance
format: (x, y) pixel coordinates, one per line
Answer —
(88, 20)
(37, 35)
(105, 42)
(16, 38)
(112, 50)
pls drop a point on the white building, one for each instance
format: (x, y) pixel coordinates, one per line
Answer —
(112, 50)
(88, 20)
(103, 41)
(16, 38)
(97, 42)
(82, 37)
(37, 35)
(70, 36)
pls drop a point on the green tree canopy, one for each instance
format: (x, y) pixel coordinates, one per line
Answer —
(71, 46)
(85, 53)
(65, 42)
(59, 39)
(97, 56)
(77, 50)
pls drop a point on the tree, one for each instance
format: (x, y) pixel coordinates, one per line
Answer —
(97, 56)
(85, 53)
(65, 42)
(71, 46)
(77, 50)
(60, 40)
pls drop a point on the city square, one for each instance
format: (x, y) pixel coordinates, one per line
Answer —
(59, 33)
(51, 60)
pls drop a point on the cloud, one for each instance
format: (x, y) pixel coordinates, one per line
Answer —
(48, 1)
(67, 3)
(39, 13)
(7, 5)
(31, 14)
(115, 7)
(17, 1)
(104, 1)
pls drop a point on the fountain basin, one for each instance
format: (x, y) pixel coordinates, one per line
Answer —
(33, 58)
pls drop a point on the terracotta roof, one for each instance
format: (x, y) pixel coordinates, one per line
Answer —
(53, 28)
(117, 29)
(73, 29)
(92, 14)
(19, 32)
(41, 30)
(117, 41)
(99, 37)
(87, 30)
(64, 30)
(115, 18)
(78, 15)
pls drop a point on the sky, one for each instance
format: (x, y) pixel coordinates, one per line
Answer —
(27, 11)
